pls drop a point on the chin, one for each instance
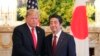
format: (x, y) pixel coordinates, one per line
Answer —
(53, 31)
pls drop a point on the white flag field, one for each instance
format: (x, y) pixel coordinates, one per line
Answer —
(79, 28)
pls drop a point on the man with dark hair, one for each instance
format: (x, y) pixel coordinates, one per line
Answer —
(59, 43)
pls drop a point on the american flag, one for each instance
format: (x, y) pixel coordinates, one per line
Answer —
(32, 4)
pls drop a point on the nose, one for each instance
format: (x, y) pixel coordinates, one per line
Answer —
(53, 24)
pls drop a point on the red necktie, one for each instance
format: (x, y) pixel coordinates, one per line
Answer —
(54, 44)
(34, 38)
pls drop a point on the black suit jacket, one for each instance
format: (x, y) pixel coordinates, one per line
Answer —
(65, 45)
(22, 42)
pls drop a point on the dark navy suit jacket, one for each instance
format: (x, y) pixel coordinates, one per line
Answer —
(65, 45)
(22, 42)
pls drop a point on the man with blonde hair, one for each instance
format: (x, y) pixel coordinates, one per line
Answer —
(28, 38)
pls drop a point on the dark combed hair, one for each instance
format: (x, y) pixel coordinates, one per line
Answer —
(56, 16)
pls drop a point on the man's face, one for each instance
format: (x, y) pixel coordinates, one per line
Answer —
(32, 20)
(55, 25)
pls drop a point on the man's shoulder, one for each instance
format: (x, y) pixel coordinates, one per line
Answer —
(49, 36)
(20, 26)
(67, 35)
(39, 28)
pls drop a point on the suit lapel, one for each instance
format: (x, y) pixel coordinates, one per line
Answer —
(29, 35)
(60, 41)
(50, 44)
(38, 37)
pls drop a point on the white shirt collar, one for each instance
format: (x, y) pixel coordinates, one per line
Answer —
(58, 34)
(30, 27)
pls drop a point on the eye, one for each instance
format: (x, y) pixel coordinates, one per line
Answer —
(53, 22)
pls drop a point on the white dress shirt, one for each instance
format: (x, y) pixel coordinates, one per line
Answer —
(34, 31)
(57, 35)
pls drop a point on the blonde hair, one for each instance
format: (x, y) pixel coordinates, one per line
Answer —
(32, 11)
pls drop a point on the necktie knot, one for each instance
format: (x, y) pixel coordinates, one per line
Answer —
(55, 36)
(32, 29)
(54, 40)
